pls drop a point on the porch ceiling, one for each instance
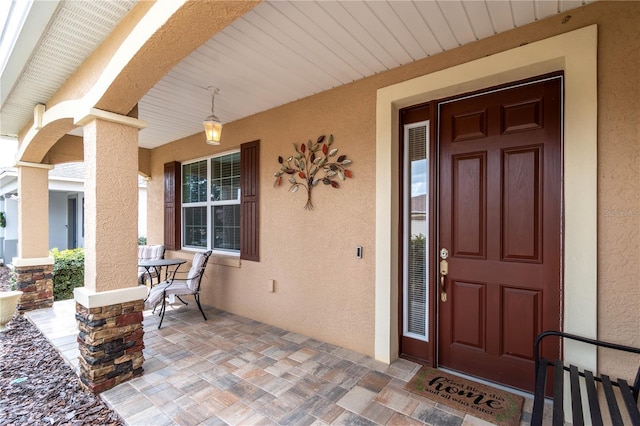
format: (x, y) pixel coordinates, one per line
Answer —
(279, 52)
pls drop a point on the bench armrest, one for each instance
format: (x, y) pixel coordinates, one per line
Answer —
(581, 339)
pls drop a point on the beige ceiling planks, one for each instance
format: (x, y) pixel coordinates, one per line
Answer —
(501, 15)
(433, 16)
(376, 28)
(341, 38)
(417, 25)
(458, 21)
(401, 32)
(479, 17)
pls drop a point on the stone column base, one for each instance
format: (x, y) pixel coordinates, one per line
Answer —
(36, 284)
(110, 342)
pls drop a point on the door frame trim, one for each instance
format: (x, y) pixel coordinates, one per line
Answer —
(575, 53)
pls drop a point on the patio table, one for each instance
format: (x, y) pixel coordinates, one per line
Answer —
(158, 264)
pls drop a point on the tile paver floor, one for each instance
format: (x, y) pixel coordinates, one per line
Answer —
(237, 371)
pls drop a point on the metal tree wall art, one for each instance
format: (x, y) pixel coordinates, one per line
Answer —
(313, 163)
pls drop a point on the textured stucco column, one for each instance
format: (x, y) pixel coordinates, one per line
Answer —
(111, 201)
(34, 266)
(109, 306)
(33, 210)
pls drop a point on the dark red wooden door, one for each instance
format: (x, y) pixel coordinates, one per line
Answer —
(500, 220)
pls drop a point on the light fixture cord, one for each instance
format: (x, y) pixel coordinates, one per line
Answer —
(213, 91)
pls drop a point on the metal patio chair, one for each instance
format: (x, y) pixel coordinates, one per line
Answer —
(180, 287)
(152, 252)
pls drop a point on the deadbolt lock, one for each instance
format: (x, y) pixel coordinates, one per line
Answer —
(444, 253)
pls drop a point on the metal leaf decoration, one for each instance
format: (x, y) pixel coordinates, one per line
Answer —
(313, 163)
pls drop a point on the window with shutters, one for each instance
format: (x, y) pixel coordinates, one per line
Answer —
(220, 202)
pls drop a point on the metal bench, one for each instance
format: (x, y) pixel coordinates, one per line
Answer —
(628, 395)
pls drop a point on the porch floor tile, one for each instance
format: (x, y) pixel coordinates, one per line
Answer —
(232, 370)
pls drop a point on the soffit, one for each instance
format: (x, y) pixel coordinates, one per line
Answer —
(277, 53)
(74, 31)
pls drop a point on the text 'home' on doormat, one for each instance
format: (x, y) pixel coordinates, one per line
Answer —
(494, 405)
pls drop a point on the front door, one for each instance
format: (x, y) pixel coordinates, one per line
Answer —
(500, 192)
(72, 222)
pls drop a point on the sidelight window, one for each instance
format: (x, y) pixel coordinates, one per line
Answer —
(416, 230)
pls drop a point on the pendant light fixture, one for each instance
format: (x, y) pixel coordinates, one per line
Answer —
(212, 124)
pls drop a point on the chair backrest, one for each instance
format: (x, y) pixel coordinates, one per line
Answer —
(150, 252)
(197, 270)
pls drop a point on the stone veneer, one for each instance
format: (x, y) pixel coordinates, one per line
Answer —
(111, 343)
(36, 285)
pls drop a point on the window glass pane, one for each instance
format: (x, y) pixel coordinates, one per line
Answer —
(417, 179)
(226, 227)
(225, 177)
(223, 230)
(194, 182)
(195, 226)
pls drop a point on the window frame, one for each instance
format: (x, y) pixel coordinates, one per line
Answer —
(209, 205)
(407, 235)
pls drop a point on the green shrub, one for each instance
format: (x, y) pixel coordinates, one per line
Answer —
(13, 279)
(417, 267)
(68, 272)
(142, 241)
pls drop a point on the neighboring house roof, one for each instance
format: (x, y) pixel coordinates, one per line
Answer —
(419, 204)
(8, 181)
(60, 178)
(68, 170)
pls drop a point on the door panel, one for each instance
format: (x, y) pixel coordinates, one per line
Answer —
(469, 317)
(468, 126)
(522, 215)
(499, 217)
(520, 116)
(521, 305)
(469, 204)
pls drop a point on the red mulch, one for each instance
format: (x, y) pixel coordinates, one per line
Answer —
(36, 386)
(4, 278)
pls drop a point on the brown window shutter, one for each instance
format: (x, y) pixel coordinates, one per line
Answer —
(172, 197)
(249, 201)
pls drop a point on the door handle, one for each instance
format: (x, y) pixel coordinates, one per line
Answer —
(444, 270)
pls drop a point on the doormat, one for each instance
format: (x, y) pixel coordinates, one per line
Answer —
(490, 404)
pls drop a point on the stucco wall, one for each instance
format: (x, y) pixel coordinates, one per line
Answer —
(619, 180)
(321, 288)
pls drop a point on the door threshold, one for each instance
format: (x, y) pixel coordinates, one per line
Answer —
(505, 388)
(417, 360)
